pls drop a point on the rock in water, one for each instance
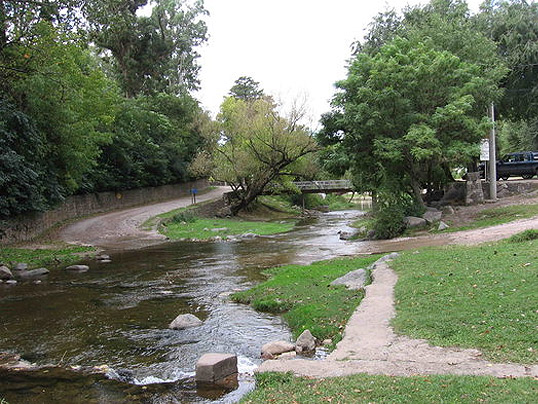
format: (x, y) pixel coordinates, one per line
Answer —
(185, 321)
(306, 342)
(33, 273)
(212, 367)
(272, 349)
(79, 268)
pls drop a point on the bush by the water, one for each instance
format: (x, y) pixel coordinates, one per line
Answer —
(391, 209)
(183, 217)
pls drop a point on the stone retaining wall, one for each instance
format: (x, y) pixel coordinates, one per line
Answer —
(28, 227)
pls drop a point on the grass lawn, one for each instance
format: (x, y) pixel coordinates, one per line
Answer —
(495, 216)
(482, 297)
(284, 388)
(43, 257)
(305, 297)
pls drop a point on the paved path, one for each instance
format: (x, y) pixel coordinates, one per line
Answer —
(371, 346)
(121, 229)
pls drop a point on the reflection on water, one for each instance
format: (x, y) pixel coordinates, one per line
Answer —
(118, 313)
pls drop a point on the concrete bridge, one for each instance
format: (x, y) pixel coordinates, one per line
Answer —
(325, 187)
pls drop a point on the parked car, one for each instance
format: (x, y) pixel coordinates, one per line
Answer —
(520, 164)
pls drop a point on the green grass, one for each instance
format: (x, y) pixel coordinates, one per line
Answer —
(44, 257)
(285, 388)
(305, 297)
(480, 297)
(203, 229)
(495, 216)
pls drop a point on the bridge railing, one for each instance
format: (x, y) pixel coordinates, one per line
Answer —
(323, 185)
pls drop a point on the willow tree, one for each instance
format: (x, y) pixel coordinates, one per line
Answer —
(256, 146)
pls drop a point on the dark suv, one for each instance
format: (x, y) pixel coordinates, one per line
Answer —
(521, 164)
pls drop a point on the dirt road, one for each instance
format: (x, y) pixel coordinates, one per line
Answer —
(121, 229)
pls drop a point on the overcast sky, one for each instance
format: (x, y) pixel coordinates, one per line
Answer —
(294, 48)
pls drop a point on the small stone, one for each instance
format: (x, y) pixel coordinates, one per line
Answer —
(306, 342)
(288, 355)
(448, 210)
(212, 367)
(219, 229)
(248, 235)
(272, 349)
(11, 282)
(185, 321)
(104, 261)
(102, 257)
(442, 226)
(327, 341)
(79, 268)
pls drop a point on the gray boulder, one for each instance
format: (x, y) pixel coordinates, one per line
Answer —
(272, 349)
(212, 367)
(432, 215)
(20, 266)
(412, 222)
(442, 226)
(353, 280)
(33, 273)
(5, 273)
(185, 321)
(448, 210)
(78, 268)
(387, 257)
(306, 342)
(248, 235)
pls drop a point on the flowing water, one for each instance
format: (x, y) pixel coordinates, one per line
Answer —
(117, 315)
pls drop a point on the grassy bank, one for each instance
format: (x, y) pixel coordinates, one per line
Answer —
(495, 216)
(478, 297)
(62, 255)
(284, 388)
(305, 297)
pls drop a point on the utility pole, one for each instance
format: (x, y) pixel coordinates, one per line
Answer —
(492, 157)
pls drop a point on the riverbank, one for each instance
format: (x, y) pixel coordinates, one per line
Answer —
(479, 307)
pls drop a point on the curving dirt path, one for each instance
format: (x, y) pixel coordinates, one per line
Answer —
(371, 346)
(121, 229)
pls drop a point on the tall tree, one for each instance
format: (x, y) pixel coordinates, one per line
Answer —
(246, 88)
(151, 54)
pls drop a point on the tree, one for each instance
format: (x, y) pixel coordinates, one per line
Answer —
(150, 54)
(257, 146)
(408, 114)
(246, 89)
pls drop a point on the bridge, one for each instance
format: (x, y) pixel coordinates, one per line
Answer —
(325, 187)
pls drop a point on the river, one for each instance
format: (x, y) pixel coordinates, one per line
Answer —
(117, 315)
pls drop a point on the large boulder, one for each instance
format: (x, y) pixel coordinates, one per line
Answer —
(33, 273)
(432, 215)
(275, 348)
(353, 280)
(5, 273)
(412, 222)
(306, 342)
(212, 367)
(348, 235)
(185, 321)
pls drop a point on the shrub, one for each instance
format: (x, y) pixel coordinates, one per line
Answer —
(527, 235)
(183, 217)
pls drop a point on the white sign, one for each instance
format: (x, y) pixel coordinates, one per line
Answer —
(484, 150)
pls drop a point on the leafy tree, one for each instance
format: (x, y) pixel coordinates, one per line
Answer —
(150, 54)
(408, 114)
(257, 146)
(246, 89)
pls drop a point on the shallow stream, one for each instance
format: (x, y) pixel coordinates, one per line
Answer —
(117, 315)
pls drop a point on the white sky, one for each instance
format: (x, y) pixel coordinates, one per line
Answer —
(295, 48)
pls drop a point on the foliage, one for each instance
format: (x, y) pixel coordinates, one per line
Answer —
(518, 135)
(527, 235)
(256, 146)
(477, 297)
(150, 54)
(246, 89)
(62, 255)
(304, 294)
(362, 389)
